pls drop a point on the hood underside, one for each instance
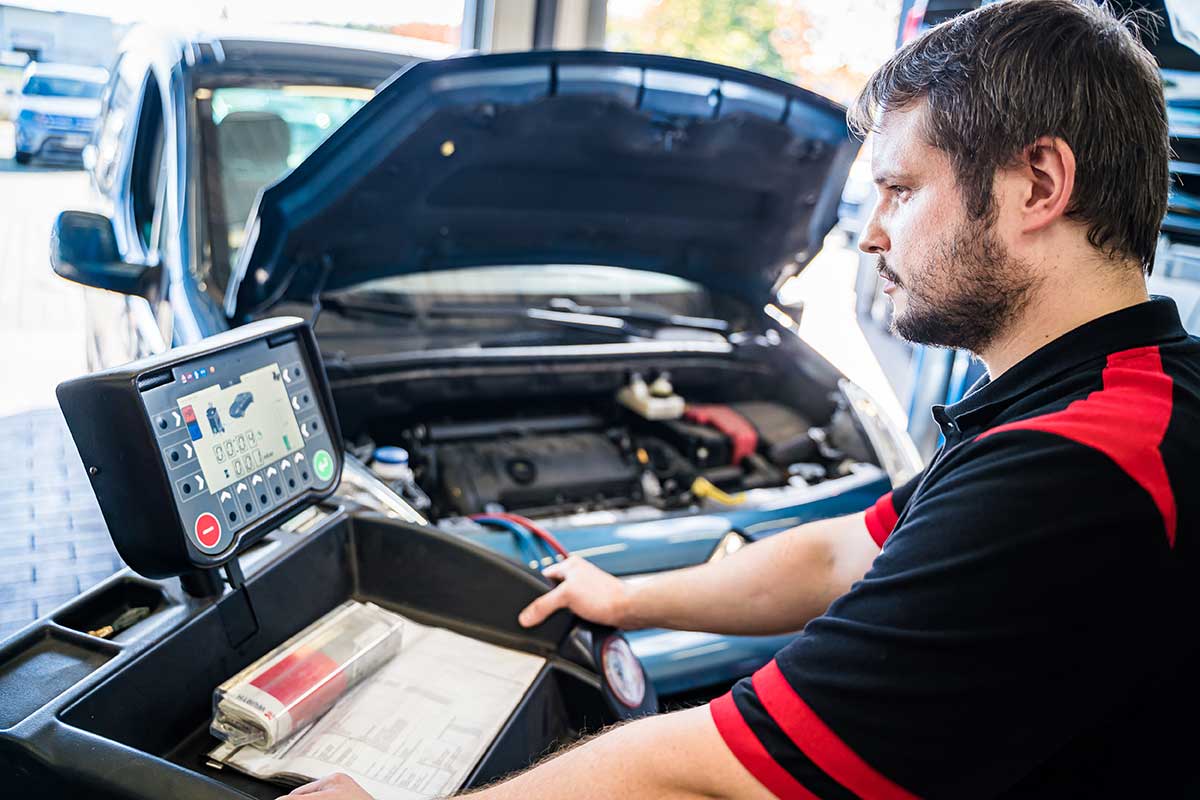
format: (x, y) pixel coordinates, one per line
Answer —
(724, 177)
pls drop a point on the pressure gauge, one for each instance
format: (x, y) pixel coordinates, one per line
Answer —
(623, 671)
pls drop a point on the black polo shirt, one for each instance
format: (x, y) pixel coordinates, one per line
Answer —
(1029, 628)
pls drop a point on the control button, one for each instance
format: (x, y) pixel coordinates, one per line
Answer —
(208, 530)
(322, 464)
(245, 499)
(167, 422)
(191, 486)
(289, 477)
(310, 428)
(229, 507)
(261, 491)
(274, 486)
(292, 375)
(301, 464)
(179, 454)
(301, 400)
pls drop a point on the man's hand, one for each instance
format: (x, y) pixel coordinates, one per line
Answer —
(586, 590)
(332, 787)
(781, 583)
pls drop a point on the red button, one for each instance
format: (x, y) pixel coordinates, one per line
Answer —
(208, 529)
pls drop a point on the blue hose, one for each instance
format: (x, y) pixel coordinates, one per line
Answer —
(528, 542)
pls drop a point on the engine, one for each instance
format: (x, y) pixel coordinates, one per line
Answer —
(648, 448)
(570, 469)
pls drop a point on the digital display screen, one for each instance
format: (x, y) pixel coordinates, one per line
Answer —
(239, 427)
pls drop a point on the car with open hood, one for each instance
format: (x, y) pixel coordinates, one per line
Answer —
(544, 289)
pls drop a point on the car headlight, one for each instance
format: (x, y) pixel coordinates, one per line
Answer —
(623, 671)
(897, 454)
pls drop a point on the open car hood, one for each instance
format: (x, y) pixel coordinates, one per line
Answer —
(721, 176)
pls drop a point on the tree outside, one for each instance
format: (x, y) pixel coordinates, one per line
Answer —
(830, 48)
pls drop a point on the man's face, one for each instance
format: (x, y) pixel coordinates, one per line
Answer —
(951, 278)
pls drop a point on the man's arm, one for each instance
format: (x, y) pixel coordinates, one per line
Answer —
(679, 755)
(774, 585)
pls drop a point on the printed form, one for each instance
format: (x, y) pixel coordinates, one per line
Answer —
(413, 730)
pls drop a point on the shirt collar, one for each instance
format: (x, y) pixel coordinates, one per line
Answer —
(1143, 324)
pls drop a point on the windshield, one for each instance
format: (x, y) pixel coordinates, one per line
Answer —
(46, 86)
(528, 304)
(252, 137)
(539, 285)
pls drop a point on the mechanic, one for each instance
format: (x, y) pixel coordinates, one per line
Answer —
(1019, 620)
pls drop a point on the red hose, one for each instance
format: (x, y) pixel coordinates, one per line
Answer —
(537, 530)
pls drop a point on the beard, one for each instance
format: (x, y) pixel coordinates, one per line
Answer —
(966, 294)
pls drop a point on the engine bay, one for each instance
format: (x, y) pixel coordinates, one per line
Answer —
(646, 447)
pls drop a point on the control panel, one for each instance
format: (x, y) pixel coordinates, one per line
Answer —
(240, 434)
(195, 452)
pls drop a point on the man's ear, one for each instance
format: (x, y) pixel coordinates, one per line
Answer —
(1047, 169)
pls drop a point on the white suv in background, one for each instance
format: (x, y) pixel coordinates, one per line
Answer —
(56, 111)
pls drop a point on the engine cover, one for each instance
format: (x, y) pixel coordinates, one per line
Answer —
(533, 472)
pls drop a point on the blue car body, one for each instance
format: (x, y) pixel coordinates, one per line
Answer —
(373, 201)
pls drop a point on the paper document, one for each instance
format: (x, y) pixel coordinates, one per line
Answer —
(415, 729)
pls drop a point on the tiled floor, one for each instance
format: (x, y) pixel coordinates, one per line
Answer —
(53, 542)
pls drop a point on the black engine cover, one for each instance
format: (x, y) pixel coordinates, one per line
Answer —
(536, 472)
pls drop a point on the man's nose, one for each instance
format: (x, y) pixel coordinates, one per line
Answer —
(873, 239)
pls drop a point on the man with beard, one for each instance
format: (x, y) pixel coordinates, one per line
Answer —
(1018, 620)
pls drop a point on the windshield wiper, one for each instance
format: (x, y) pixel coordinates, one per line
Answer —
(364, 305)
(592, 323)
(659, 319)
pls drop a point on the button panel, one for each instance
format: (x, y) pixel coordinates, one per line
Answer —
(246, 491)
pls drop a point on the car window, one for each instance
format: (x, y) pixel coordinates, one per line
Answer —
(146, 171)
(539, 284)
(253, 136)
(48, 86)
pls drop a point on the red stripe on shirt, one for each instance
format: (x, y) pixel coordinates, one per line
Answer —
(1126, 420)
(881, 519)
(746, 747)
(817, 741)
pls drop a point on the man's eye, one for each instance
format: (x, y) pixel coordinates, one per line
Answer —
(897, 189)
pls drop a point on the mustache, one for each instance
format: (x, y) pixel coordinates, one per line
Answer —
(882, 268)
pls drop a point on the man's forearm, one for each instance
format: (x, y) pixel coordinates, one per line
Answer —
(772, 586)
(677, 755)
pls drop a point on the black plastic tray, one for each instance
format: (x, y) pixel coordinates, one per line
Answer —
(131, 718)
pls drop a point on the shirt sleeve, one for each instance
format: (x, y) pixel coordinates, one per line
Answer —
(882, 516)
(980, 643)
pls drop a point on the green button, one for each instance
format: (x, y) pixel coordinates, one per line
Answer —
(323, 465)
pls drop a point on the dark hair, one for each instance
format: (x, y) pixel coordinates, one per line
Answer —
(996, 79)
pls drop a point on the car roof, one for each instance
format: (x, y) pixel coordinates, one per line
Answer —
(274, 49)
(74, 71)
(326, 36)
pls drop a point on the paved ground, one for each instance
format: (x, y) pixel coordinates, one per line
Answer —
(41, 315)
(53, 543)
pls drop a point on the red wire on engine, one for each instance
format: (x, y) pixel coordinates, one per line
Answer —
(537, 530)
